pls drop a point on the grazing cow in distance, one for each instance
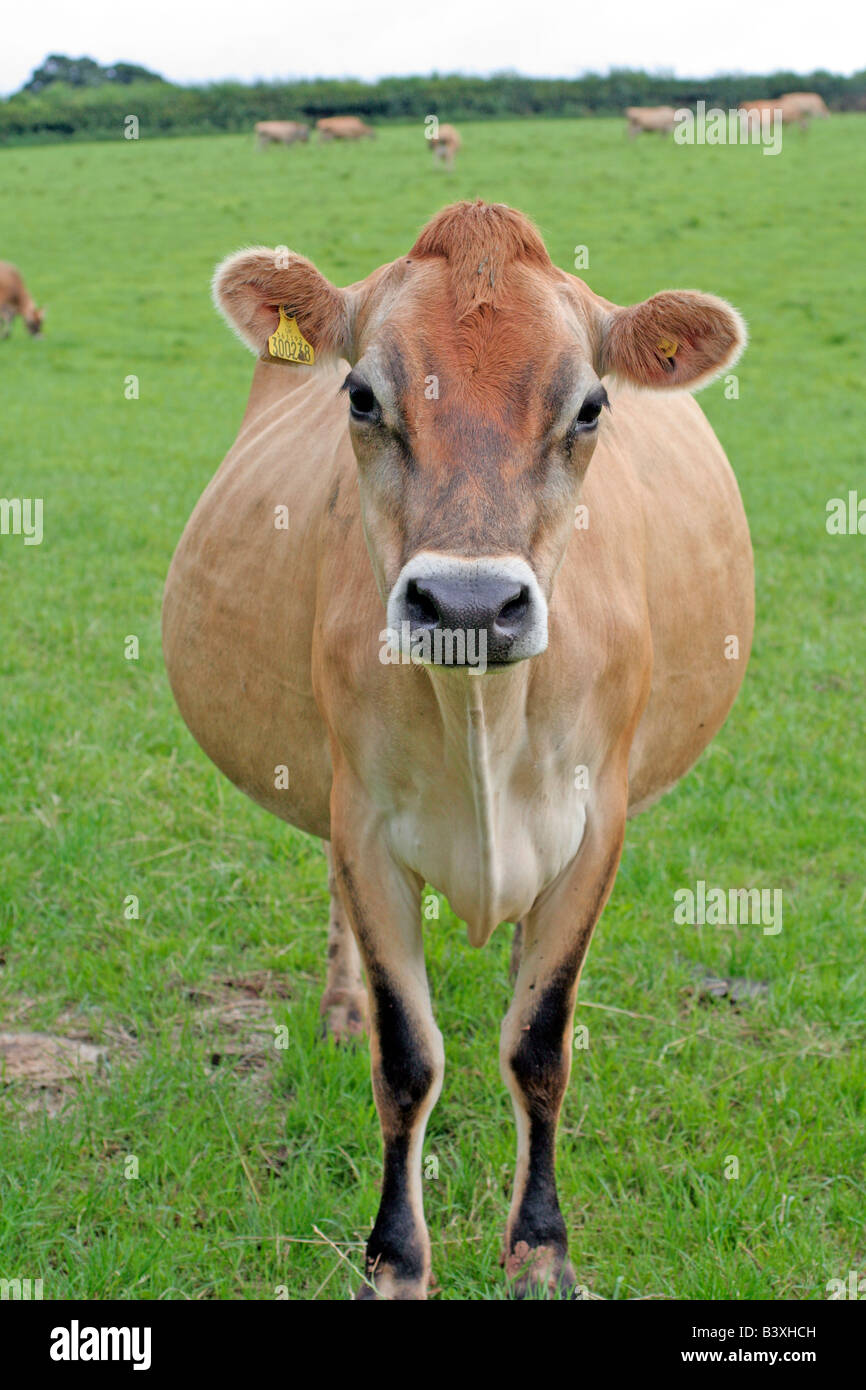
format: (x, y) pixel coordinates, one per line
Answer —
(650, 119)
(794, 108)
(500, 622)
(344, 128)
(15, 299)
(445, 145)
(803, 107)
(758, 114)
(280, 133)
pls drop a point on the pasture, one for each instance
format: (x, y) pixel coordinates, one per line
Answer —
(241, 1147)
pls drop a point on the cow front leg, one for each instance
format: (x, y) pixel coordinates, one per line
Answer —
(536, 1051)
(344, 1002)
(383, 904)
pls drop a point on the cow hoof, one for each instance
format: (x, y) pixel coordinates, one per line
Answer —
(393, 1289)
(543, 1272)
(344, 1015)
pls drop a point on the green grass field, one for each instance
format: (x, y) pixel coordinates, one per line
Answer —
(243, 1148)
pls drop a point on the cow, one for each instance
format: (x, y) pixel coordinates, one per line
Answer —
(516, 462)
(803, 106)
(445, 145)
(794, 108)
(280, 133)
(760, 113)
(647, 119)
(344, 128)
(15, 299)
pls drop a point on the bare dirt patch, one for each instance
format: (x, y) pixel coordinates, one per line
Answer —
(236, 1015)
(42, 1071)
(44, 1059)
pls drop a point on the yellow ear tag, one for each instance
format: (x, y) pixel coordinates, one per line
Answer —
(288, 343)
(667, 347)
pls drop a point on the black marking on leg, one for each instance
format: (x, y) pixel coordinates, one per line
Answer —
(402, 1082)
(407, 1072)
(394, 1242)
(538, 1064)
(540, 1071)
(539, 1220)
(402, 1085)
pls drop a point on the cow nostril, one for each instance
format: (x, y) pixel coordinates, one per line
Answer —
(488, 611)
(512, 614)
(420, 606)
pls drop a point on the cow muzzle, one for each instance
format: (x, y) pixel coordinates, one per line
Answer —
(481, 613)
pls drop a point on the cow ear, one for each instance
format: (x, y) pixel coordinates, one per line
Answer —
(679, 338)
(250, 286)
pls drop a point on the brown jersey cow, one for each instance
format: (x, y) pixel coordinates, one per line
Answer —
(649, 120)
(445, 145)
(15, 299)
(280, 133)
(344, 128)
(803, 107)
(794, 108)
(500, 622)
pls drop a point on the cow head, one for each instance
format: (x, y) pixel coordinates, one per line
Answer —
(34, 320)
(475, 402)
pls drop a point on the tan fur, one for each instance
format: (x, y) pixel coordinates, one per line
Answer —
(479, 244)
(446, 145)
(281, 133)
(250, 287)
(702, 330)
(343, 128)
(15, 299)
(650, 119)
(428, 774)
(794, 108)
(806, 104)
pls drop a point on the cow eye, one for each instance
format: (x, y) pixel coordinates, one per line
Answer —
(594, 403)
(362, 402)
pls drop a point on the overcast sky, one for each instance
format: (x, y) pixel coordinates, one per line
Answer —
(204, 40)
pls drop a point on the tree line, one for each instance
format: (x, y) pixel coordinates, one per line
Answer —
(78, 102)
